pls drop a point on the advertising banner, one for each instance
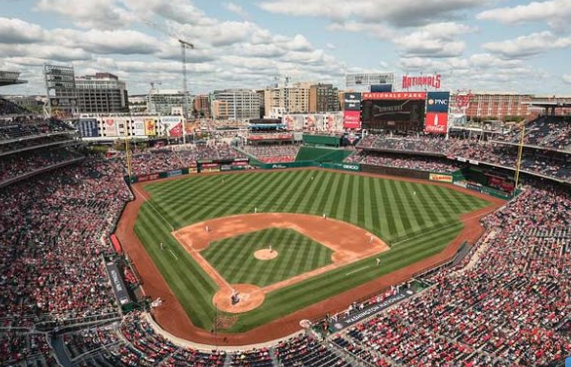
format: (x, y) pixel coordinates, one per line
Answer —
(110, 127)
(176, 130)
(396, 95)
(437, 102)
(440, 178)
(138, 126)
(436, 123)
(176, 172)
(143, 178)
(168, 123)
(351, 119)
(118, 284)
(210, 167)
(352, 102)
(150, 127)
(88, 128)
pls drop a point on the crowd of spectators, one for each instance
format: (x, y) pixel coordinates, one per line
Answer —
(176, 157)
(22, 127)
(533, 160)
(550, 164)
(273, 153)
(438, 165)
(547, 131)
(53, 227)
(26, 349)
(434, 144)
(16, 165)
(508, 309)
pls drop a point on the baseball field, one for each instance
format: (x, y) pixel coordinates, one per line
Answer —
(288, 239)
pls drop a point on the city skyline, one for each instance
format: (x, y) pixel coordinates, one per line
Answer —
(509, 45)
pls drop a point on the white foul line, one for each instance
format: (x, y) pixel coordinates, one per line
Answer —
(356, 270)
(172, 253)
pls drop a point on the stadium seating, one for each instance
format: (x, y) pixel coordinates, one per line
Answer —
(410, 162)
(164, 159)
(552, 132)
(272, 153)
(506, 306)
(9, 108)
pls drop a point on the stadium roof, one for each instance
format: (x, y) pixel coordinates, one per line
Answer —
(547, 103)
(10, 78)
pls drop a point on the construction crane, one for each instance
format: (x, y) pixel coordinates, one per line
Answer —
(184, 45)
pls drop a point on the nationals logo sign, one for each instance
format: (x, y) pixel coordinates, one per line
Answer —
(428, 81)
(463, 99)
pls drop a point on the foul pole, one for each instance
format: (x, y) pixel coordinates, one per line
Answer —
(519, 155)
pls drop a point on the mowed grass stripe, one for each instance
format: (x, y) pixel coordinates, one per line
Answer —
(241, 267)
(435, 214)
(185, 283)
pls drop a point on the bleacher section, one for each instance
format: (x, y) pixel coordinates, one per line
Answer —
(9, 108)
(553, 132)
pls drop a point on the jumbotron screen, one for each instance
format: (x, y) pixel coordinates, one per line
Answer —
(399, 114)
(393, 111)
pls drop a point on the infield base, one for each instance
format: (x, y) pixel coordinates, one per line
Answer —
(250, 296)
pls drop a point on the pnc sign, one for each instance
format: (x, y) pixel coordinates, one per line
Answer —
(437, 101)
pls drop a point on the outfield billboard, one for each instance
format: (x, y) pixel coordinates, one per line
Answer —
(88, 128)
(436, 123)
(441, 177)
(351, 119)
(150, 127)
(352, 102)
(437, 101)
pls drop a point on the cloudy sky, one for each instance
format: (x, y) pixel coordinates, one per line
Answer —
(498, 45)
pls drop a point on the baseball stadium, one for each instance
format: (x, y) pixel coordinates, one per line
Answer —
(339, 249)
(377, 226)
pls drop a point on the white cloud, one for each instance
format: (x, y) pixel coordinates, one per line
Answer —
(16, 31)
(236, 9)
(379, 31)
(556, 13)
(566, 78)
(434, 40)
(530, 45)
(99, 14)
(399, 13)
(123, 42)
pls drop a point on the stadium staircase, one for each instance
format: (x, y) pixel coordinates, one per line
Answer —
(253, 158)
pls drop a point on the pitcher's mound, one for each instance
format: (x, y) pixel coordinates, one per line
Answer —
(265, 254)
(249, 295)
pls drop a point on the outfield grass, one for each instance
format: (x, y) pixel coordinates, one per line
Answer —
(234, 257)
(414, 225)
